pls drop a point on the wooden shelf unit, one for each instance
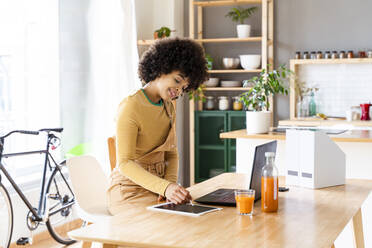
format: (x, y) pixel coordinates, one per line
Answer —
(267, 51)
(226, 88)
(331, 61)
(224, 40)
(145, 42)
(235, 71)
(225, 3)
(212, 40)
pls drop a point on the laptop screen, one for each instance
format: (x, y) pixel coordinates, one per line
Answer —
(259, 162)
(226, 197)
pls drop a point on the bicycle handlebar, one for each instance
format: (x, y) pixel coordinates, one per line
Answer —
(20, 131)
(29, 132)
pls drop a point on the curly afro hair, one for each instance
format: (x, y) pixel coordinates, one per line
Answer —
(174, 54)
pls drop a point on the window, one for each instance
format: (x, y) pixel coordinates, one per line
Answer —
(29, 76)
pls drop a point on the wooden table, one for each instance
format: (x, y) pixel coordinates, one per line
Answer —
(306, 218)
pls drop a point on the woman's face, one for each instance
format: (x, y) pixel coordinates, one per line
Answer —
(171, 86)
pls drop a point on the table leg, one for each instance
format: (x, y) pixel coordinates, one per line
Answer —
(358, 230)
(109, 246)
(86, 244)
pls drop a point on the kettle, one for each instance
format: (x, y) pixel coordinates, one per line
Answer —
(365, 111)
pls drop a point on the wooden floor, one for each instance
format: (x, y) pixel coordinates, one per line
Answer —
(52, 244)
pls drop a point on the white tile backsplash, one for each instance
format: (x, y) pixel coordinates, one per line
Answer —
(340, 85)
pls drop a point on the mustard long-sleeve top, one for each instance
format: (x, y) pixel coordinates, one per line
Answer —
(141, 127)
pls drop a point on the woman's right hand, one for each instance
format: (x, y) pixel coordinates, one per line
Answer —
(177, 194)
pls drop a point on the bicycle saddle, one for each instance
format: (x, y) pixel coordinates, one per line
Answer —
(59, 130)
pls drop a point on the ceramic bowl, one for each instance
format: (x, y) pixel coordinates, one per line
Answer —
(230, 63)
(212, 82)
(250, 61)
(231, 83)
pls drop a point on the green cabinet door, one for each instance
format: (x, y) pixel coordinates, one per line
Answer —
(210, 149)
(214, 155)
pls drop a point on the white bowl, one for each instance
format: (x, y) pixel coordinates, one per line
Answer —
(250, 61)
(212, 82)
(231, 83)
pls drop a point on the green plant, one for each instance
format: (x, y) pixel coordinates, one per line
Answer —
(240, 14)
(198, 94)
(209, 61)
(163, 32)
(267, 84)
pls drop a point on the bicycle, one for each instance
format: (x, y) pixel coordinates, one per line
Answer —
(56, 196)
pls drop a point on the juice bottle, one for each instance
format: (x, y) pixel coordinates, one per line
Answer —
(269, 185)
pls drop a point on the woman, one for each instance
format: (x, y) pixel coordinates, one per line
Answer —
(147, 158)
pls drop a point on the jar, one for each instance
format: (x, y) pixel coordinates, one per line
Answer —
(350, 54)
(319, 55)
(362, 54)
(209, 104)
(306, 55)
(304, 107)
(299, 109)
(298, 55)
(223, 103)
(237, 104)
(342, 55)
(355, 113)
(334, 55)
(327, 55)
(313, 55)
(369, 54)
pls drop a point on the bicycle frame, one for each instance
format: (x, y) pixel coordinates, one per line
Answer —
(41, 208)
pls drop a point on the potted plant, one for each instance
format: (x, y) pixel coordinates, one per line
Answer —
(239, 15)
(257, 99)
(162, 32)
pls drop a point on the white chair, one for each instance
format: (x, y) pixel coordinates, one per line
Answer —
(89, 184)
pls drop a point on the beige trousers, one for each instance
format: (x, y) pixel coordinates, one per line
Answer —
(124, 193)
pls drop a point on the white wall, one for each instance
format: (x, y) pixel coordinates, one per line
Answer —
(152, 14)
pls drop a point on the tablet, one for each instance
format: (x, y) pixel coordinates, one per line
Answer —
(183, 209)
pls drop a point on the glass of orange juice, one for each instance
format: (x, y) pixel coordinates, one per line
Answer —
(244, 201)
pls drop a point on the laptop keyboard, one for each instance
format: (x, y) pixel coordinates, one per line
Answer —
(228, 198)
(223, 196)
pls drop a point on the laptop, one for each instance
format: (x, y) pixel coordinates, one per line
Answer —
(226, 197)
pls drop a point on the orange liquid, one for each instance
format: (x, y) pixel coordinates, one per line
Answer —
(244, 203)
(269, 194)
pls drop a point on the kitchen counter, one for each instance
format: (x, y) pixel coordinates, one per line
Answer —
(348, 136)
(316, 122)
(356, 144)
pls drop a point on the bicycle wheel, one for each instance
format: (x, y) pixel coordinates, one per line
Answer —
(6, 218)
(61, 208)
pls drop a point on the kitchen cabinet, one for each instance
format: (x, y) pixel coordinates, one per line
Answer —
(214, 155)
